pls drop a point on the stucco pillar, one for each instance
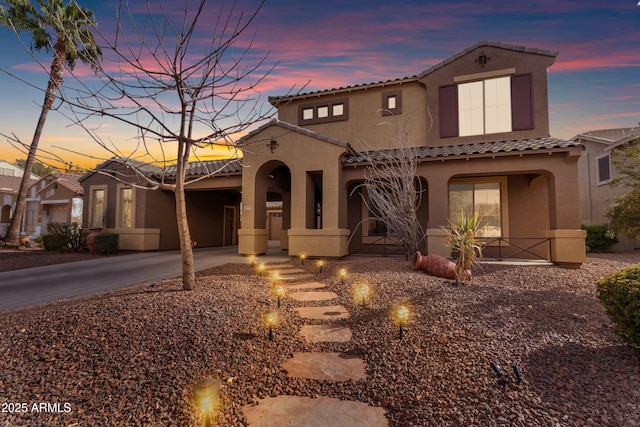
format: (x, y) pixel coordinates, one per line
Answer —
(438, 196)
(253, 237)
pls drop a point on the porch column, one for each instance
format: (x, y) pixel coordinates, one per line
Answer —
(438, 215)
(253, 236)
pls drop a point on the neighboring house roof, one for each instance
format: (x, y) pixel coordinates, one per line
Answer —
(20, 171)
(208, 167)
(297, 129)
(275, 100)
(10, 184)
(67, 180)
(611, 138)
(145, 168)
(473, 149)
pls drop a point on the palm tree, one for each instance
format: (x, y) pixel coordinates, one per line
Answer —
(69, 25)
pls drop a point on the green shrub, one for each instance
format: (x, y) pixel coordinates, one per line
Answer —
(600, 237)
(107, 243)
(65, 237)
(620, 294)
(51, 242)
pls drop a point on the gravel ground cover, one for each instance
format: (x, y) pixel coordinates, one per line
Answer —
(129, 357)
(18, 259)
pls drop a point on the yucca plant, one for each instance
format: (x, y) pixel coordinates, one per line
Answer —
(463, 240)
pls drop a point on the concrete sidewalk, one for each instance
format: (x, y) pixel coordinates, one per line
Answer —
(27, 287)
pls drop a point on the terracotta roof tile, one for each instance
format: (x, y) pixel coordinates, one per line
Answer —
(476, 149)
(11, 184)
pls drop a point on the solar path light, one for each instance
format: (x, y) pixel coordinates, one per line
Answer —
(401, 314)
(270, 319)
(206, 394)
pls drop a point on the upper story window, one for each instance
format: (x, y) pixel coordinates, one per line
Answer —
(323, 112)
(603, 166)
(391, 102)
(492, 105)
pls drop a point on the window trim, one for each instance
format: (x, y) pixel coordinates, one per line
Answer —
(603, 181)
(92, 189)
(504, 199)
(386, 111)
(330, 109)
(119, 215)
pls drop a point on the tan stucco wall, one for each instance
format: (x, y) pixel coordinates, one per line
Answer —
(302, 155)
(367, 128)
(500, 59)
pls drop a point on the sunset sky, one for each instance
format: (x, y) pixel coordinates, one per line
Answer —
(594, 83)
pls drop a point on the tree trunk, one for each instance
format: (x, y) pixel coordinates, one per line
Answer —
(55, 80)
(186, 250)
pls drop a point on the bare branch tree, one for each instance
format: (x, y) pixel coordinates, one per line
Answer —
(182, 85)
(392, 192)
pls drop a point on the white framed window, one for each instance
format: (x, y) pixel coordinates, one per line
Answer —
(486, 197)
(603, 166)
(323, 112)
(338, 109)
(392, 102)
(484, 106)
(307, 113)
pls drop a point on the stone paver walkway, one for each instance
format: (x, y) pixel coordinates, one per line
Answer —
(323, 366)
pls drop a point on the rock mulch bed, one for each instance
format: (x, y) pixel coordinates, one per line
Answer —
(129, 358)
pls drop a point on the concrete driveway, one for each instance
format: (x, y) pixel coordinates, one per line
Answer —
(23, 288)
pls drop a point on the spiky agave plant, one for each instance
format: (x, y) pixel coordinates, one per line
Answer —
(463, 240)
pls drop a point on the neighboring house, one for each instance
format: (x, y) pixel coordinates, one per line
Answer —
(9, 186)
(9, 169)
(479, 121)
(596, 170)
(56, 197)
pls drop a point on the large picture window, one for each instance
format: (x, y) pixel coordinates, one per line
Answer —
(483, 198)
(484, 106)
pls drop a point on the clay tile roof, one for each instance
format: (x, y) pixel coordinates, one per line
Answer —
(297, 129)
(11, 184)
(68, 180)
(476, 149)
(209, 167)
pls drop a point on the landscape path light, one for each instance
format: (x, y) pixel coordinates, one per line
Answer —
(252, 260)
(401, 314)
(206, 394)
(275, 277)
(261, 268)
(342, 274)
(362, 292)
(270, 319)
(279, 291)
(302, 256)
(320, 264)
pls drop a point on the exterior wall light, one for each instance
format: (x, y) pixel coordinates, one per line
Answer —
(270, 319)
(401, 314)
(206, 395)
(279, 291)
(342, 274)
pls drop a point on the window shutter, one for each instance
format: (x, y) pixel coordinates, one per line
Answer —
(521, 102)
(448, 111)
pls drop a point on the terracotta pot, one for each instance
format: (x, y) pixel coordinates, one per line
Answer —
(435, 265)
(91, 239)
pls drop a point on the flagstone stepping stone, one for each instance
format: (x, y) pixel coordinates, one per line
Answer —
(330, 312)
(322, 411)
(325, 333)
(277, 266)
(308, 285)
(291, 271)
(292, 277)
(325, 366)
(313, 296)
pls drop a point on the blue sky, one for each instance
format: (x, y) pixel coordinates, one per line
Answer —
(594, 83)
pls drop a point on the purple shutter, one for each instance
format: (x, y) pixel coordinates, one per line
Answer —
(448, 111)
(521, 102)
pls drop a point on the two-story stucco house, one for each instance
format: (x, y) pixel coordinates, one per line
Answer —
(479, 122)
(596, 171)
